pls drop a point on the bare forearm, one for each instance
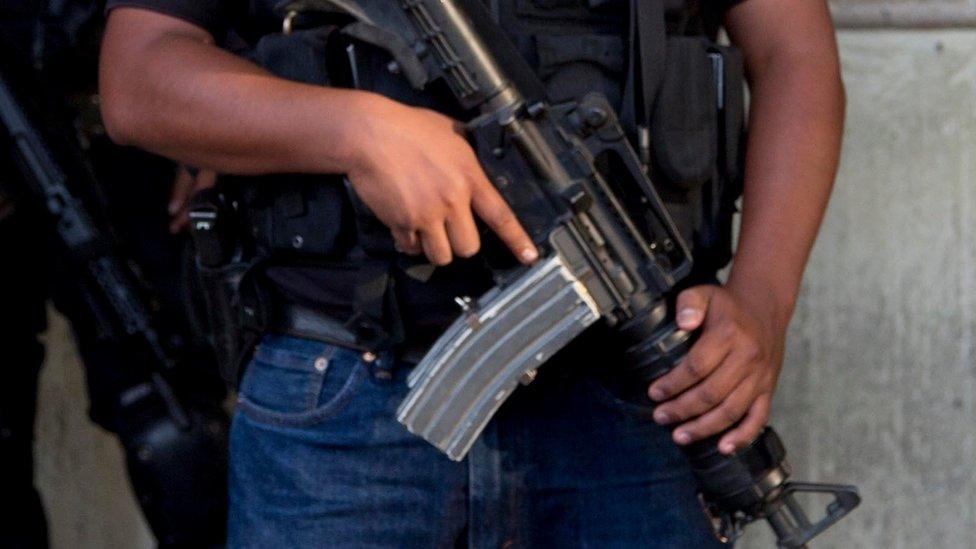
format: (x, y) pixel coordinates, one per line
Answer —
(176, 94)
(796, 123)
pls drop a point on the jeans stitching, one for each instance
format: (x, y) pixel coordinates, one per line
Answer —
(314, 389)
(327, 410)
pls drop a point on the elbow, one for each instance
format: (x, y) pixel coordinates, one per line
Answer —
(119, 116)
(117, 97)
(122, 76)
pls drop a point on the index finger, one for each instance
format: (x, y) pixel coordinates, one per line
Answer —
(494, 211)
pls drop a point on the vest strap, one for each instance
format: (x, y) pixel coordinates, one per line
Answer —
(645, 69)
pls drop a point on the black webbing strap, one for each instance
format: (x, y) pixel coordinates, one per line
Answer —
(648, 54)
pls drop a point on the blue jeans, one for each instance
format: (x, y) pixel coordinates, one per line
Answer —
(318, 460)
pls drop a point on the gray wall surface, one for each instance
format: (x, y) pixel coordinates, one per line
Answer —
(880, 380)
(904, 13)
(80, 468)
(879, 386)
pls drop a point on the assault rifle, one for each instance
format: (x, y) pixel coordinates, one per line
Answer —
(110, 288)
(609, 251)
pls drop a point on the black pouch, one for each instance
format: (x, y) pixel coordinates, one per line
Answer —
(293, 215)
(684, 123)
(302, 55)
(299, 216)
(573, 65)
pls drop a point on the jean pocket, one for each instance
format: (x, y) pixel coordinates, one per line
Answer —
(607, 398)
(296, 382)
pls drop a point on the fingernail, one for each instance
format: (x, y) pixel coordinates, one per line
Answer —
(661, 417)
(726, 447)
(656, 393)
(687, 315)
(682, 437)
(173, 207)
(529, 255)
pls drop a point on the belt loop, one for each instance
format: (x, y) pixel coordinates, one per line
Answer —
(381, 365)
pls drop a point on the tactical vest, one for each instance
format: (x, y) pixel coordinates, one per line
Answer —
(679, 95)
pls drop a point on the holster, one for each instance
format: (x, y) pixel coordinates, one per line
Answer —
(223, 264)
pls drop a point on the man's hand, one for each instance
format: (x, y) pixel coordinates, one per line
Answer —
(421, 178)
(186, 185)
(729, 374)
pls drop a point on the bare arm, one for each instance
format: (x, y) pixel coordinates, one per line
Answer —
(795, 130)
(794, 143)
(167, 88)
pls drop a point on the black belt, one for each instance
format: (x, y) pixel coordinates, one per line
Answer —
(308, 323)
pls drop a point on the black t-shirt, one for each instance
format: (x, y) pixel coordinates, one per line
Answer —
(255, 18)
(428, 306)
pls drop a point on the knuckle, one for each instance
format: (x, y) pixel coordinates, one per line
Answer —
(498, 214)
(763, 418)
(754, 384)
(709, 397)
(728, 331)
(675, 414)
(695, 367)
(407, 221)
(439, 259)
(497, 217)
(430, 221)
(456, 197)
(751, 350)
(729, 414)
(467, 250)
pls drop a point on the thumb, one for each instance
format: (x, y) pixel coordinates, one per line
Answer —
(693, 305)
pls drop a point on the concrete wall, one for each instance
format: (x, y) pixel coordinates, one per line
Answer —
(911, 14)
(880, 379)
(80, 468)
(880, 382)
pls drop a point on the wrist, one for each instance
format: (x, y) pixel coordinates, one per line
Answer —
(771, 304)
(354, 136)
